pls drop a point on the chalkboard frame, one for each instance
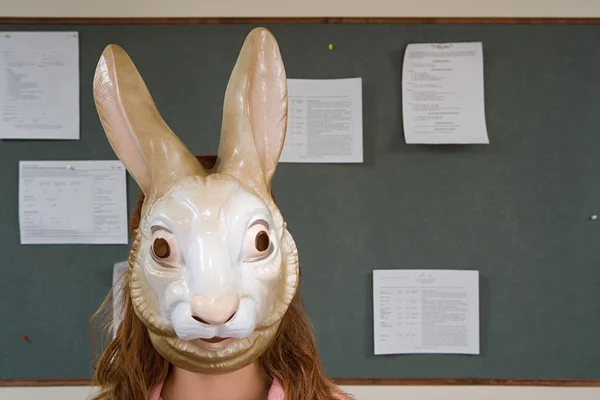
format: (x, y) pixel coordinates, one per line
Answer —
(293, 20)
(319, 20)
(356, 382)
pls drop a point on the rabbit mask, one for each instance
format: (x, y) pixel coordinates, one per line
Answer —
(213, 268)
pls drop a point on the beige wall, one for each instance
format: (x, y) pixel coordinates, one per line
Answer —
(302, 8)
(363, 393)
(319, 8)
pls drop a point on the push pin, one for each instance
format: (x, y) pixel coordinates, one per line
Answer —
(330, 46)
(25, 338)
(594, 217)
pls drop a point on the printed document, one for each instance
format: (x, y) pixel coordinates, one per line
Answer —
(39, 85)
(324, 121)
(72, 202)
(426, 311)
(442, 94)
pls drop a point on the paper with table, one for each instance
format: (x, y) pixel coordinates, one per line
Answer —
(426, 311)
(72, 202)
(324, 121)
(39, 85)
(443, 94)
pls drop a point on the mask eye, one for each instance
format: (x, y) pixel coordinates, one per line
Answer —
(257, 243)
(163, 249)
(262, 241)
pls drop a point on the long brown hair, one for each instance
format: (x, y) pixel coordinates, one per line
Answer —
(130, 366)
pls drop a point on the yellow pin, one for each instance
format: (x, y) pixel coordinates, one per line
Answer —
(330, 46)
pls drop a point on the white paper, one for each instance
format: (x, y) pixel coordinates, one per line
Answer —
(72, 202)
(426, 311)
(324, 121)
(118, 270)
(39, 85)
(442, 94)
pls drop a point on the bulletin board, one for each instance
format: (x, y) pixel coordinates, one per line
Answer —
(517, 210)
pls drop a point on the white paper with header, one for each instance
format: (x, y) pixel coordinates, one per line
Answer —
(72, 202)
(426, 311)
(39, 85)
(443, 94)
(324, 121)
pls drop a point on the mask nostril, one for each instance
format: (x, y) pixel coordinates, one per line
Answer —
(230, 318)
(208, 323)
(200, 320)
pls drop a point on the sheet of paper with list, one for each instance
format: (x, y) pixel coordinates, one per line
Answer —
(72, 202)
(39, 85)
(443, 94)
(119, 270)
(426, 311)
(324, 121)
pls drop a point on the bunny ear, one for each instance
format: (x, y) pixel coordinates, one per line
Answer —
(255, 112)
(150, 151)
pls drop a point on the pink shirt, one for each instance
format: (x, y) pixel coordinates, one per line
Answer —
(275, 393)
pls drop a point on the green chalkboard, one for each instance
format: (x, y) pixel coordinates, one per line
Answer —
(517, 210)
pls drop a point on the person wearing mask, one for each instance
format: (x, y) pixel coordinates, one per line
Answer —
(210, 308)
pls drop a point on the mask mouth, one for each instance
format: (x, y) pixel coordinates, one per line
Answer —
(214, 343)
(215, 339)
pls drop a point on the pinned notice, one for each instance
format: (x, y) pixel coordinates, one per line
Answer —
(39, 85)
(72, 202)
(426, 311)
(324, 121)
(443, 95)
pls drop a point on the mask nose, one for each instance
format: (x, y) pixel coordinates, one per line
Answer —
(214, 311)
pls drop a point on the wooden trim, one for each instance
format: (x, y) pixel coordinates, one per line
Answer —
(357, 382)
(293, 20)
(467, 382)
(44, 382)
